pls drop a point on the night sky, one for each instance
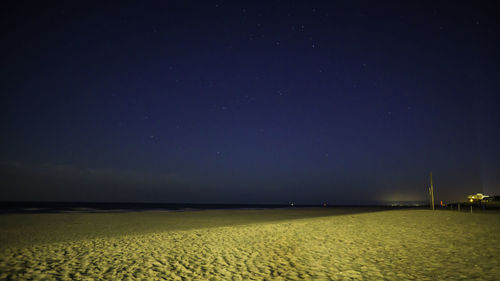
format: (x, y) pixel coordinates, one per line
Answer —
(348, 102)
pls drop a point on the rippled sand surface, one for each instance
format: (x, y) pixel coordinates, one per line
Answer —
(392, 245)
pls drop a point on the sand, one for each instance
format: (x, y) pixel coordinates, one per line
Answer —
(390, 245)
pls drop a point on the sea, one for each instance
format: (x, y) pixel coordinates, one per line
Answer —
(98, 207)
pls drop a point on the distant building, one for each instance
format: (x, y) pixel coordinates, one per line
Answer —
(479, 197)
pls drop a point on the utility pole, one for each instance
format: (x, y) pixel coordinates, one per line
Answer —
(431, 194)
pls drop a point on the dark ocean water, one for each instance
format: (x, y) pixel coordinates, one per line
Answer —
(55, 207)
(94, 207)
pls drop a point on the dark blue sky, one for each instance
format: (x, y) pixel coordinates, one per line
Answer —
(249, 102)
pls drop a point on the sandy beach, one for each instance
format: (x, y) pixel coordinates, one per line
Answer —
(286, 244)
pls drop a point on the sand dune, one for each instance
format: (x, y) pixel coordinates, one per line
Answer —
(393, 245)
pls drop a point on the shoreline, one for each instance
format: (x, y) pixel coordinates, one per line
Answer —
(36, 228)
